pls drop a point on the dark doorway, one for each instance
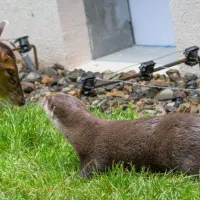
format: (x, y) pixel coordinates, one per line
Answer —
(109, 26)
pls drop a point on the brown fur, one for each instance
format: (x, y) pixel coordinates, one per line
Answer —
(161, 143)
(10, 86)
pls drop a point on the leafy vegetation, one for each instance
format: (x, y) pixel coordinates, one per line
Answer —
(36, 162)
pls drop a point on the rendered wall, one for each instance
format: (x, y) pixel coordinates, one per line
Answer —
(75, 31)
(186, 22)
(39, 19)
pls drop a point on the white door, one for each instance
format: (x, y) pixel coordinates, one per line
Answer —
(152, 22)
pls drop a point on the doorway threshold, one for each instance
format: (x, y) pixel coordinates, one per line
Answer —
(130, 59)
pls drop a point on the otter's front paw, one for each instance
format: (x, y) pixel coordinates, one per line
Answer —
(86, 173)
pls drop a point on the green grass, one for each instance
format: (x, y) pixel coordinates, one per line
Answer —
(36, 162)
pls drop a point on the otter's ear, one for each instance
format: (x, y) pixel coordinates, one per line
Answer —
(3, 24)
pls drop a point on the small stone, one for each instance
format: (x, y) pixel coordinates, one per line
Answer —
(156, 76)
(174, 75)
(103, 104)
(189, 77)
(170, 107)
(95, 103)
(61, 82)
(58, 66)
(73, 75)
(49, 71)
(89, 73)
(192, 84)
(194, 109)
(149, 101)
(55, 88)
(198, 83)
(37, 84)
(160, 80)
(32, 77)
(140, 104)
(101, 91)
(116, 93)
(47, 80)
(165, 95)
(112, 86)
(61, 73)
(72, 92)
(98, 75)
(163, 77)
(181, 84)
(129, 73)
(112, 76)
(22, 75)
(71, 86)
(195, 100)
(66, 90)
(180, 94)
(28, 87)
(149, 107)
(128, 88)
(184, 108)
(78, 79)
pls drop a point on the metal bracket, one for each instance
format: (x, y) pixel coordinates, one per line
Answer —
(24, 45)
(191, 55)
(146, 69)
(87, 86)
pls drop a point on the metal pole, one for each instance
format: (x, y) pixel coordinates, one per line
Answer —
(140, 74)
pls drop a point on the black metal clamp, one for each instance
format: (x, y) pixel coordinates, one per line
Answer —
(191, 55)
(24, 45)
(87, 86)
(146, 70)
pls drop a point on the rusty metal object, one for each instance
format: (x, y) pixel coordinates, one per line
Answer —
(23, 48)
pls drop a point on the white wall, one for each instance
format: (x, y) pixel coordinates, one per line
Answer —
(75, 32)
(186, 22)
(39, 19)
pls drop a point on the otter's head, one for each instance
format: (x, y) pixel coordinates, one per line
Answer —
(62, 109)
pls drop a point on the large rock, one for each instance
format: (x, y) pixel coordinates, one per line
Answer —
(165, 95)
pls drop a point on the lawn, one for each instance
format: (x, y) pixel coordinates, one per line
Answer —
(36, 162)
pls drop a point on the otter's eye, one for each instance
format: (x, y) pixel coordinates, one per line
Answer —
(10, 72)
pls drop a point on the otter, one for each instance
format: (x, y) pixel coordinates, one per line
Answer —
(161, 143)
